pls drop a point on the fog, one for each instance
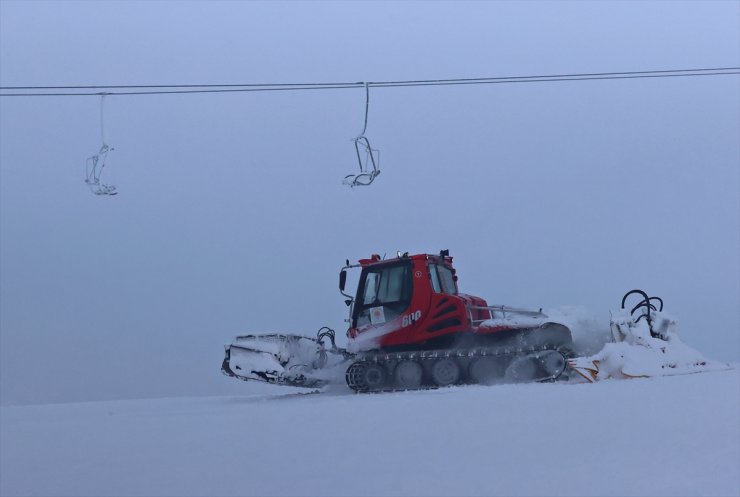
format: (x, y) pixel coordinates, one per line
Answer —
(231, 215)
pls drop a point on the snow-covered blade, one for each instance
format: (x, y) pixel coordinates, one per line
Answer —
(283, 359)
(645, 344)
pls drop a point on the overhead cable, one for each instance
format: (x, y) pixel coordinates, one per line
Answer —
(53, 91)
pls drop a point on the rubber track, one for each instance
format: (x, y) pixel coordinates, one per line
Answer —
(352, 377)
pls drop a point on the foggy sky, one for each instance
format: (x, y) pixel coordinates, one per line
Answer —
(232, 217)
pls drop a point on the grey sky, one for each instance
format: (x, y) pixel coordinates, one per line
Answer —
(231, 215)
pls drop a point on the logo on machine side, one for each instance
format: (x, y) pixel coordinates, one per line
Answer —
(411, 318)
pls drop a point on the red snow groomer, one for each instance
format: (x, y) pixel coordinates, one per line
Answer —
(410, 328)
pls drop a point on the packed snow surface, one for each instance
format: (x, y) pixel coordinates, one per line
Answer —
(670, 436)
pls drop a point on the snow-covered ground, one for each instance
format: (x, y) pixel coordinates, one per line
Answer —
(667, 436)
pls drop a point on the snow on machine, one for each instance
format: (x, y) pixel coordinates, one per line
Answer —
(410, 328)
(645, 344)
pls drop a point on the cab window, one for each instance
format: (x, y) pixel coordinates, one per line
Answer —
(443, 281)
(388, 287)
(435, 278)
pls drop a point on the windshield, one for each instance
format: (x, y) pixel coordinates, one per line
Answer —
(386, 291)
(443, 281)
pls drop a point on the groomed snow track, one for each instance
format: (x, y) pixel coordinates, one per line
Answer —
(674, 436)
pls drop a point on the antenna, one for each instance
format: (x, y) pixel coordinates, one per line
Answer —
(94, 165)
(366, 155)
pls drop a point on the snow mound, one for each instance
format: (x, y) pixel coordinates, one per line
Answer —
(642, 348)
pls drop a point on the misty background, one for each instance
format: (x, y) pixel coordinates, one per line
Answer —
(232, 218)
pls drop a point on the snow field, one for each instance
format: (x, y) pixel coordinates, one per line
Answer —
(668, 436)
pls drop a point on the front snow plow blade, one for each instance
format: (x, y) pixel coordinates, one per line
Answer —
(281, 359)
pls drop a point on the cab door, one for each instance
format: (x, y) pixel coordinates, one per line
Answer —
(383, 295)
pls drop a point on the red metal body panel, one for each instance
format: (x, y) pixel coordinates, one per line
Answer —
(429, 315)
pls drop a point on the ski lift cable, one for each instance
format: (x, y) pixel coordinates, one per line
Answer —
(102, 118)
(367, 107)
(354, 84)
(667, 72)
(372, 84)
(208, 85)
(543, 80)
(229, 88)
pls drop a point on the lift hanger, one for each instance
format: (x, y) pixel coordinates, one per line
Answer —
(367, 157)
(95, 164)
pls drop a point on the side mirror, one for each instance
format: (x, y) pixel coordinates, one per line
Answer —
(342, 280)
